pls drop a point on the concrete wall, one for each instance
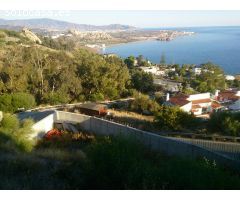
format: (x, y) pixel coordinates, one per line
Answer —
(169, 146)
(43, 126)
(84, 120)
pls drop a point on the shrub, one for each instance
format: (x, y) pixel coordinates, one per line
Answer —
(143, 103)
(224, 123)
(122, 163)
(173, 118)
(56, 98)
(10, 122)
(12, 102)
(23, 100)
(96, 97)
(16, 133)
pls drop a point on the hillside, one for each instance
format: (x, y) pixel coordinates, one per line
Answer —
(57, 25)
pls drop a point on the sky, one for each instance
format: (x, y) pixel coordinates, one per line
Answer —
(142, 19)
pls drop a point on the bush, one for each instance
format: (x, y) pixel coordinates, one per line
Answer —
(56, 98)
(13, 102)
(142, 104)
(122, 163)
(10, 122)
(224, 123)
(96, 97)
(173, 118)
(16, 133)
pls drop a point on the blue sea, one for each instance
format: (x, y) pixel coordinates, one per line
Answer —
(220, 45)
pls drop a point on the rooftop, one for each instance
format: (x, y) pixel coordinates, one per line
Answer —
(179, 100)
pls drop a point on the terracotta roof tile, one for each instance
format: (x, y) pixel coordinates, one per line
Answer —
(179, 100)
(216, 105)
(228, 94)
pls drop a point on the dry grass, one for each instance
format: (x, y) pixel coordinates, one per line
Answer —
(133, 119)
(132, 115)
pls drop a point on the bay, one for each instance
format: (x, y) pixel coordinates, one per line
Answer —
(220, 45)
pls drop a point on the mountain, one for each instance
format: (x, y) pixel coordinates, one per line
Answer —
(57, 25)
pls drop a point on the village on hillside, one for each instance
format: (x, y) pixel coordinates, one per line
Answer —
(169, 78)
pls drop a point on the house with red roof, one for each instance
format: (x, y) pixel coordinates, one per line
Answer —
(199, 104)
(230, 99)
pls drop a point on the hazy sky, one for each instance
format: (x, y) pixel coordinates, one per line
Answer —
(136, 18)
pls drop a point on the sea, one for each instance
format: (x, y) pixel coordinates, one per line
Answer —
(220, 45)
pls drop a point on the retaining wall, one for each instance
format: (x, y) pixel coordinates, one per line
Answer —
(41, 127)
(169, 146)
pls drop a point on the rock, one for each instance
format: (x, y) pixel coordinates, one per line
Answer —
(31, 36)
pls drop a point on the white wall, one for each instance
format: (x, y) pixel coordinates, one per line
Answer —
(199, 96)
(198, 112)
(187, 107)
(43, 126)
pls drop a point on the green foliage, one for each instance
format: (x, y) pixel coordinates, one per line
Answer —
(122, 163)
(56, 98)
(129, 61)
(107, 163)
(59, 44)
(173, 118)
(211, 78)
(96, 97)
(11, 33)
(225, 123)
(10, 122)
(142, 81)
(13, 102)
(108, 76)
(15, 134)
(142, 103)
(60, 76)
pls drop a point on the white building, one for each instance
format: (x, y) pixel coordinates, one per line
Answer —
(198, 104)
(152, 69)
(229, 77)
(197, 70)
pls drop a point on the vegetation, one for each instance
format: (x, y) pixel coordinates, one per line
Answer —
(142, 81)
(143, 104)
(55, 76)
(14, 135)
(78, 161)
(173, 118)
(225, 123)
(14, 102)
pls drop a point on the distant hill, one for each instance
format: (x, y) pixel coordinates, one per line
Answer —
(57, 25)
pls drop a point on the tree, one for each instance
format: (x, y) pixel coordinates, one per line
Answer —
(129, 61)
(142, 81)
(210, 79)
(101, 75)
(12, 74)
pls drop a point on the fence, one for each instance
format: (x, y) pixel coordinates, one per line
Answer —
(229, 149)
(169, 146)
